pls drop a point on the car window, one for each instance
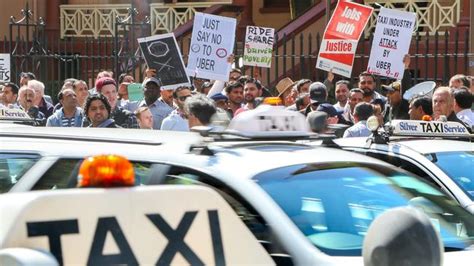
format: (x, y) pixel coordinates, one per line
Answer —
(251, 218)
(459, 166)
(12, 168)
(334, 204)
(63, 174)
(405, 165)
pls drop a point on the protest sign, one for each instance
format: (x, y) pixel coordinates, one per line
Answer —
(135, 91)
(161, 53)
(259, 46)
(391, 42)
(212, 42)
(4, 67)
(341, 36)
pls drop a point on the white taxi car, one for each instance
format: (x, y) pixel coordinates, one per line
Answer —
(306, 205)
(421, 148)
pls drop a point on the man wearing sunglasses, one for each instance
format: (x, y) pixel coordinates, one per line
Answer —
(177, 120)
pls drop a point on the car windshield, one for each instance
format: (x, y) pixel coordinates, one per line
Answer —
(13, 167)
(334, 204)
(459, 166)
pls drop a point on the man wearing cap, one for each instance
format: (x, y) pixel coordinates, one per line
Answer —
(362, 112)
(176, 120)
(69, 115)
(334, 116)
(399, 107)
(106, 86)
(221, 101)
(158, 107)
(317, 94)
(285, 91)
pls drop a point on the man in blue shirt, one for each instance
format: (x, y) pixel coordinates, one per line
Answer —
(157, 106)
(362, 112)
(69, 115)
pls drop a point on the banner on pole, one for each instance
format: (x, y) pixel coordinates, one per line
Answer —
(341, 36)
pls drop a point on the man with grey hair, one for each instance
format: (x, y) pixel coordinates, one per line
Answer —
(199, 110)
(362, 112)
(317, 121)
(44, 106)
(443, 101)
(26, 97)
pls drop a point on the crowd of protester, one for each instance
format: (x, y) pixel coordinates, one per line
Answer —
(330, 102)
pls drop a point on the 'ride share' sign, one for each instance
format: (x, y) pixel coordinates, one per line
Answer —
(341, 36)
(391, 42)
(259, 46)
(212, 42)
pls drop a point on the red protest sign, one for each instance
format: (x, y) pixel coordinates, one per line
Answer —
(341, 36)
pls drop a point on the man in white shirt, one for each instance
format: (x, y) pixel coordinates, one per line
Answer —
(342, 97)
(462, 106)
(362, 112)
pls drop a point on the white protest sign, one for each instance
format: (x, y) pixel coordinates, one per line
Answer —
(4, 67)
(259, 46)
(391, 42)
(212, 42)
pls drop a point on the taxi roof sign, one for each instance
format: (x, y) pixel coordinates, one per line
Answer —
(428, 128)
(267, 121)
(14, 115)
(191, 225)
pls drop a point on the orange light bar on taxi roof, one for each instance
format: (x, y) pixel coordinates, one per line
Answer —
(426, 118)
(106, 171)
(273, 101)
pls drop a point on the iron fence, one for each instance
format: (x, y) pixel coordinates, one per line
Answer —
(435, 57)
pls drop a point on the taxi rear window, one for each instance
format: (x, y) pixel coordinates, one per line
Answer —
(63, 174)
(12, 168)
